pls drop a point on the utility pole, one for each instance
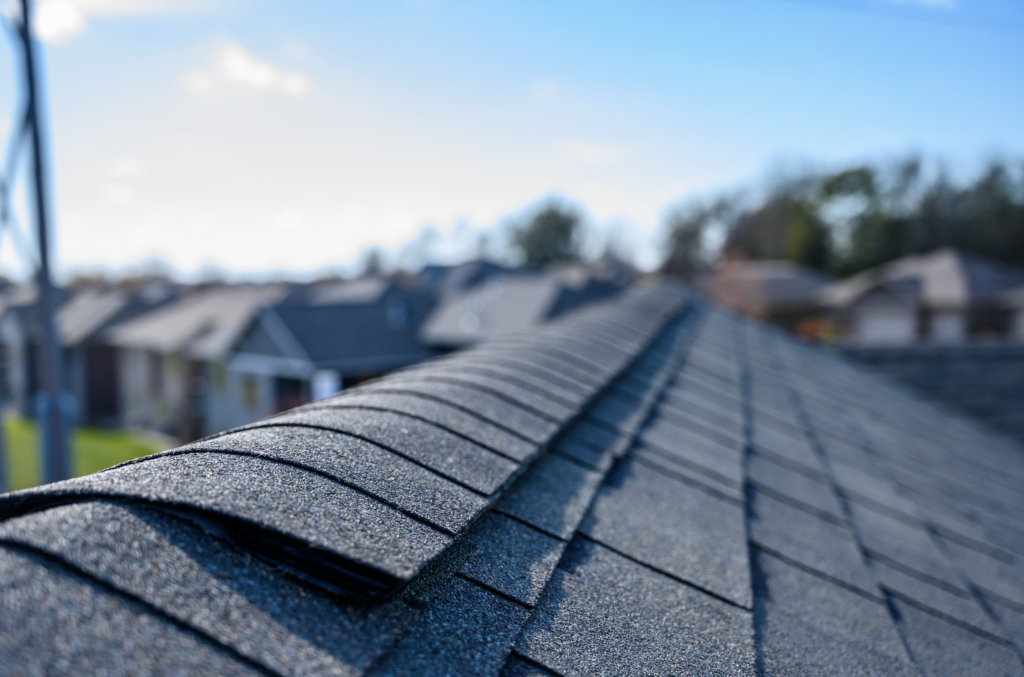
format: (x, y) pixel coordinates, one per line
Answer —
(50, 358)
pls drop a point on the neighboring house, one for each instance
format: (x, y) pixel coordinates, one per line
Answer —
(445, 281)
(945, 297)
(15, 316)
(782, 293)
(322, 338)
(503, 303)
(172, 362)
(649, 486)
(90, 365)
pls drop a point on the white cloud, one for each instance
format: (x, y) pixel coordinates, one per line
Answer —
(117, 193)
(238, 68)
(583, 153)
(58, 20)
(126, 167)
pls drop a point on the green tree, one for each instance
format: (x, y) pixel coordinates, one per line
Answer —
(549, 236)
(807, 237)
(685, 242)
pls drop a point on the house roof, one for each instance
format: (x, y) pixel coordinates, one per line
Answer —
(944, 279)
(646, 486)
(504, 304)
(203, 325)
(765, 286)
(87, 311)
(352, 332)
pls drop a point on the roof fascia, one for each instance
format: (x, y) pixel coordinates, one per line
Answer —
(270, 365)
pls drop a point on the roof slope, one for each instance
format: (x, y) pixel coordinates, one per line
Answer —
(985, 380)
(945, 278)
(647, 486)
(203, 325)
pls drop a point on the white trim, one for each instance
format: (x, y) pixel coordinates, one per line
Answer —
(270, 365)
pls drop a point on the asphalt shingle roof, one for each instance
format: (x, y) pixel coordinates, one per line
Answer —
(647, 486)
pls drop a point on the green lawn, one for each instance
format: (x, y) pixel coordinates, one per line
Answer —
(93, 449)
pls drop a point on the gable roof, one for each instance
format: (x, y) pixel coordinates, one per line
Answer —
(766, 286)
(944, 279)
(647, 486)
(203, 325)
(355, 333)
(504, 304)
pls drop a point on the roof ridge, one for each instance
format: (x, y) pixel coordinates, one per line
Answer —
(428, 449)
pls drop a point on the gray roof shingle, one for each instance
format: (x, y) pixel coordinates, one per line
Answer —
(646, 486)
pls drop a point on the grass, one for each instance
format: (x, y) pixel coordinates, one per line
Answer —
(93, 449)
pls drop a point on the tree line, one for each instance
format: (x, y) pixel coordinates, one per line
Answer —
(849, 220)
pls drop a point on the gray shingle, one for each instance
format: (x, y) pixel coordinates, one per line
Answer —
(778, 479)
(527, 375)
(674, 528)
(202, 582)
(457, 420)
(618, 410)
(950, 601)
(689, 447)
(679, 468)
(726, 417)
(809, 540)
(946, 650)
(584, 453)
(57, 623)
(603, 614)
(516, 667)
(553, 495)
(540, 402)
(809, 626)
(370, 468)
(510, 557)
(447, 454)
(1000, 579)
(489, 407)
(793, 447)
(273, 509)
(465, 631)
(909, 546)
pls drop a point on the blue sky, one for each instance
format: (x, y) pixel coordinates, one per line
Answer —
(289, 136)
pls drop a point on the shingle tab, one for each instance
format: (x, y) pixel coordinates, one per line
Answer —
(457, 420)
(337, 536)
(201, 582)
(57, 623)
(604, 614)
(809, 540)
(909, 546)
(809, 626)
(947, 650)
(465, 631)
(535, 400)
(376, 471)
(552, 496)
(949, 601)
(793, 486)
(447, 454)
(673, 528)
(508, 556)
(490, 407)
